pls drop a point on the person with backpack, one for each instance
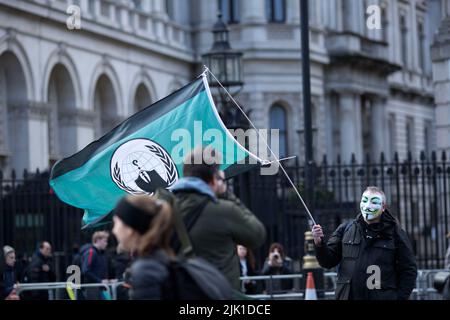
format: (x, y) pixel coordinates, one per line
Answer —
(94, 264)
(144, 225)
(373, 253)
(216, 220)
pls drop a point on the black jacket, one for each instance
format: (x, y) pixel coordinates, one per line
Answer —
(7, 280)
(357, 246)
(249, 287)
(277, 285)
(35, 273)
(148, 276)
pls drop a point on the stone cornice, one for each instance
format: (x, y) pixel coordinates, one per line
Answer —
(30, 109)
(76, 116)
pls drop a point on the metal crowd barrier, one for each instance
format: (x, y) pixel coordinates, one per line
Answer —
(423, 291)
(424, 285)
(52, 288)
(295, 293)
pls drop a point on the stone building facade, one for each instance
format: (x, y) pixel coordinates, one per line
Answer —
(372, 90)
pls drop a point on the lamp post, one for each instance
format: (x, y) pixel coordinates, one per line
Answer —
(309, 260)
(226, 64)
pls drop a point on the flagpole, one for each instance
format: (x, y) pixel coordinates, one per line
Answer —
(267, 145)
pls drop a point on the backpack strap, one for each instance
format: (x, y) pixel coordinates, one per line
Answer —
(182, 226)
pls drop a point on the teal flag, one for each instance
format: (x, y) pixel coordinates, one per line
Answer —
(146, 152)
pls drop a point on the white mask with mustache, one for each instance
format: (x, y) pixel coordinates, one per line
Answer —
(371, 205)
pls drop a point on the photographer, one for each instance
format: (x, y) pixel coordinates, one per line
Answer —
(277, 264)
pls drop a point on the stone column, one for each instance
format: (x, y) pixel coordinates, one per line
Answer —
(350, 127)
(29, 126)
(440, 54)
(254, 20)
(123, 8)
(160, 14)
(353, 17)
(394, 24)
(414, 40)
(293, 11)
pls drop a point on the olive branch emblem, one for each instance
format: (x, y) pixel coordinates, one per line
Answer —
(171, 170)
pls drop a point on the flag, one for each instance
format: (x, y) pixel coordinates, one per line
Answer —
(146, 152)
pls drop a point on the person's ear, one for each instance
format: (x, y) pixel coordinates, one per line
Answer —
(213, 183)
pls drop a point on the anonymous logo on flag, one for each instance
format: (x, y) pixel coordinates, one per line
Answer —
(141, 166)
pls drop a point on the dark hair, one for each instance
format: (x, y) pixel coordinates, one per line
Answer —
(278, 246)
(251, 258)
(203, 163)
(159, 231)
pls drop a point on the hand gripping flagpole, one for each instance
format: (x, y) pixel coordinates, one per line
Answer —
(265, 142)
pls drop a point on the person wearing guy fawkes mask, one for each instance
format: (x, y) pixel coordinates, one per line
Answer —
(373, 238)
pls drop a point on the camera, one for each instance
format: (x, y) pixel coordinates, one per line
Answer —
(276, 256)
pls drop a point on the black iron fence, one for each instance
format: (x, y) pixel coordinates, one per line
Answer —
(30, 212)
(417, 193)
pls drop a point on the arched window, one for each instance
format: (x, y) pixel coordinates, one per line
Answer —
(62, 133)
(142, 98)
(230, 10)
(276, 10)
(105, 105)
(278, 120)
(14, 140)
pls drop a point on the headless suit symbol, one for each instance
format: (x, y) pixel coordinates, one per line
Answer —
(149, 181)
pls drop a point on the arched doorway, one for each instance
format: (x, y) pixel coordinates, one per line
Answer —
(14, 140)
(142, 97)
(105, 105)
(62, 132)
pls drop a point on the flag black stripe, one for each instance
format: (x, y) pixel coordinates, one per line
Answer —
(238, 168)
(128, 127)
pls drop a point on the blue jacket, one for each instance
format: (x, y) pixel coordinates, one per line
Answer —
(93, 264)
(8, 280)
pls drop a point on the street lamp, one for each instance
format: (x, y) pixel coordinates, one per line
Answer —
(222, 60)
(226, 64)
